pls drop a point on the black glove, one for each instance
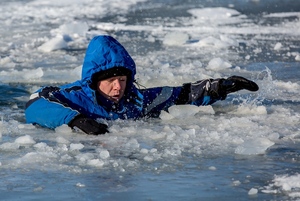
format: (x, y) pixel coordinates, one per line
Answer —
(235, 83)
(214, 88)
(88, 125)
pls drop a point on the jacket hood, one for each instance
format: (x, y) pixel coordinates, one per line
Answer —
(103, 53)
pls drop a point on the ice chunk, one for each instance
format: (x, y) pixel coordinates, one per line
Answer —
(183, 111)
(95, 162)
(38, 189)
(236, 183)
(104, 154)
(254, 146)
(222, 42)
(218, 64)
(288, 86)
(37, 157)
(40, 146)
(26, 74)
(80, 185)
(148, 158)
(252, 191)
(144, 151)
(76, 146)
(208, 109)
(251, 110)
(175, 38)
(229, 41)
(32, 74)
(25, 140)
(73, 29)
(84, 157)
(278, 46)
(132, 144)
(56, 43)
(165, 116)
(288, 182)
(9, 146)
(215, 16)
(63, 129)
(62, 140)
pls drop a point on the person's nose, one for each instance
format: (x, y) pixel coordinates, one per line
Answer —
(117, 84)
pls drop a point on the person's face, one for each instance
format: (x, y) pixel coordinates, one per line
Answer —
(112, 88)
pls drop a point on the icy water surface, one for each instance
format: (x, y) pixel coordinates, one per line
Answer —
(243, 148)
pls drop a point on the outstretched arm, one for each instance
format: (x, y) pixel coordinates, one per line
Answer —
(204, 92)
(208, 91)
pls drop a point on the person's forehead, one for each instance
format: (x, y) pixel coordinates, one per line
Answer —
(116, 77)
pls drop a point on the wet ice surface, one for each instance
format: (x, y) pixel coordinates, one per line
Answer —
(246, 147)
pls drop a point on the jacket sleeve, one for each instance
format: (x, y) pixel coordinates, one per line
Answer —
(161, 98)
(47, 111)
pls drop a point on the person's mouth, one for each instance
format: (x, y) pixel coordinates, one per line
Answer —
(115, 97)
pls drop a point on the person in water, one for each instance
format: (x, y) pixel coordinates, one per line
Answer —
(107, 91)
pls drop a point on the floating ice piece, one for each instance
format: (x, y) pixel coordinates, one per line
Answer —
(62, 140)
(252, 191)
(165, 116)
(25, 140)
(277, 46)
(175, 38)
(208, 109)
(104, 154)
(76, 146)
(148, 158)
(38, 189)
(288, 86)
(215, 16)
(7, 62)
(254, 146)
(218, 64)
(9, 146)
(182, 111)
(222, 42)
(290, 184)
(63, 129)
(26, 74)
(80, 185)
(32, 74)
(73, 29)
(59, 42)
(287, 183)
(229, 41)
(236, 183)
(95, 162)
(251, 110)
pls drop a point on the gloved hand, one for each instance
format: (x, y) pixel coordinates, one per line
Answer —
(235, 83)
(217, 89)
(88, 125)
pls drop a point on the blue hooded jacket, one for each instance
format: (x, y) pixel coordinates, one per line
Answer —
(53, 106)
